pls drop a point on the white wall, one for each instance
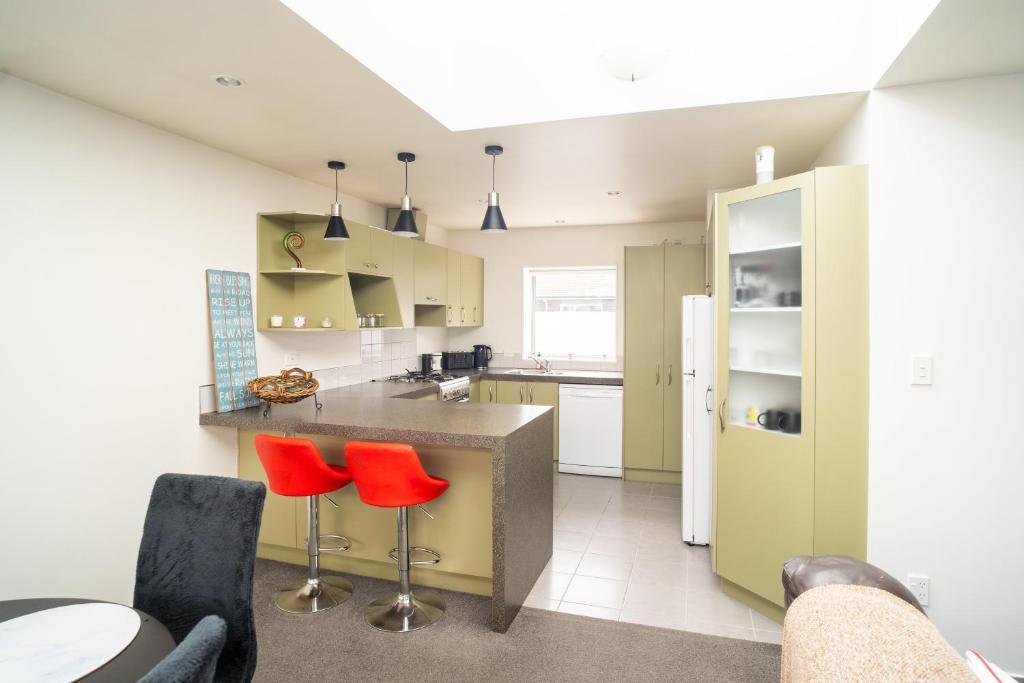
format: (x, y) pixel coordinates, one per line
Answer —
(108, 226)
(947, 249)
(505, 256)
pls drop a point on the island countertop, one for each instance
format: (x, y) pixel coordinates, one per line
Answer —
(382, 411)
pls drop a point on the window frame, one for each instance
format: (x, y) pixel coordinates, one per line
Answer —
(529, 298)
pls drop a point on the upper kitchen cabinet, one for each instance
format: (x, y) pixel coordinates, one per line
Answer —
(321, 289)
(472, 290)
(404, 276)
(791, 375)
(431, 274)
(369, 250)
(656, 278)
(465, 306)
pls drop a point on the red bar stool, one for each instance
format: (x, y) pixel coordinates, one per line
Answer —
(390, 475)
(294, 468)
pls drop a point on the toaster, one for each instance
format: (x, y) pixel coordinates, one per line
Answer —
(457, 360)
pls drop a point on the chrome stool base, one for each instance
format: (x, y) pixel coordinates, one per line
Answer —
(309, 597)
(399, 613)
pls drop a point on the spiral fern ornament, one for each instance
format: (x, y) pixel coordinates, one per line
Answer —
(294, 240)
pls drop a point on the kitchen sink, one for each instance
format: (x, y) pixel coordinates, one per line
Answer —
(547, 373)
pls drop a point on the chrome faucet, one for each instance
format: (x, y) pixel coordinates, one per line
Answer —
(542, 365)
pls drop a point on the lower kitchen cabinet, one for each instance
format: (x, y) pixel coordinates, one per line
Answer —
(488, 392)
(530, 393)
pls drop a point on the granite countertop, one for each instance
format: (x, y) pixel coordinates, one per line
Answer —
(382, 411)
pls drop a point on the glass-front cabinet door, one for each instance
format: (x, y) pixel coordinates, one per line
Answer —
(765, 380)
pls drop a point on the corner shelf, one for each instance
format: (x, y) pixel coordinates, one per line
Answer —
(302, 273)
(758, 371)
(765, 309)
(761, 250)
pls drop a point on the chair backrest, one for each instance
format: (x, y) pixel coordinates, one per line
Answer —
(197, 557)
(386, 474)
(195, 659)
(294, 466)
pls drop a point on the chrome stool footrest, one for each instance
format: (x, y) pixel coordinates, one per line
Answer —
(344, 543)
(436, 556)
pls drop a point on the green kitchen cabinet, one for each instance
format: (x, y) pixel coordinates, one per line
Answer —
(684, 274)
(472, 290)
(465, 306)
(488, 391)
(454, 311)
(431, 274)
(531, 393)
(656, 277)
(369, 250)
(802, 491)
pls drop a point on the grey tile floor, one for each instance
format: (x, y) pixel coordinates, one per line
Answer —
(618, 554)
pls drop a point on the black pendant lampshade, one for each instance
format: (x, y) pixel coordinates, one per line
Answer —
(494, 222)
(336, 229)
(405, 226)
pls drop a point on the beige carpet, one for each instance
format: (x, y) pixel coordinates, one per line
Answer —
(338, 645)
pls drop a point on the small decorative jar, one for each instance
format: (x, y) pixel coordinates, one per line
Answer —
(326, 322)
(299, 322)
(276, 320)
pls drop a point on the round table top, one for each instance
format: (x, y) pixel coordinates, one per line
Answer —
(151, 641)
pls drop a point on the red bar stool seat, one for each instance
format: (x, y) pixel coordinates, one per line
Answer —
(295, 468)
(391, 475)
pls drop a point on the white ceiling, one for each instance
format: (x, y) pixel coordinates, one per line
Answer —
(306, 101)
(963, 39)
(474, 64)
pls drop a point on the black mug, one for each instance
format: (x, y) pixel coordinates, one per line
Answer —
(770, 419)
(789, 421)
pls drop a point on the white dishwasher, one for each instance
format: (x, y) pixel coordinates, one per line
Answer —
(590, 429)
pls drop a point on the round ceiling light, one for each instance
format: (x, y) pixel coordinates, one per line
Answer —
(228, 81)
(632, 63)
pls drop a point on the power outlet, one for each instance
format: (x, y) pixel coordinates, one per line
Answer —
(920, 585)
(291, 359)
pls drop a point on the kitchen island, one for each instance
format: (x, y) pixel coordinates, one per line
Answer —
(493, 527)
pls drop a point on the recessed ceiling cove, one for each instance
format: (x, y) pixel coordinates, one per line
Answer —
(474, 65)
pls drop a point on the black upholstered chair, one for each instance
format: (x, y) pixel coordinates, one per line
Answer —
(197, 558)
(195, 659)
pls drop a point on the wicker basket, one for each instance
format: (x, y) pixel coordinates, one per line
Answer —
(291, 386)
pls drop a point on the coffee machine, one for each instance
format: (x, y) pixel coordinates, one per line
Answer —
(481, 356)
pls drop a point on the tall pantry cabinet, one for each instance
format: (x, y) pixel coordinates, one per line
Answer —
(656, 278)
(791, 321)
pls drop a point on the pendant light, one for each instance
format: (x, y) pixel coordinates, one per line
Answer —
(405, 226)
(336, 229)
(494, 222)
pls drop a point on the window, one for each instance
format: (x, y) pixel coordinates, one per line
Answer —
(569, 313)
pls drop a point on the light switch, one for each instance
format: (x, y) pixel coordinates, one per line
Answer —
(921, 369)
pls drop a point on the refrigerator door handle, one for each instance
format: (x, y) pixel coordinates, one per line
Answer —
(707, 395)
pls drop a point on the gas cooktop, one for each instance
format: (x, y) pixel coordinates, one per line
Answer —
(413, 376)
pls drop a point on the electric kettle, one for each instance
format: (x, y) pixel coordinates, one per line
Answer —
(481, 356)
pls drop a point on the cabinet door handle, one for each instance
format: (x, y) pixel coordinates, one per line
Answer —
(520, 393)
(531, 393)
(669, 382)
(366, 264)
(657, 375)
(462, 314)
(490, 394)
(474, 314)
(721, 417)
(449, 314)
(707, 395)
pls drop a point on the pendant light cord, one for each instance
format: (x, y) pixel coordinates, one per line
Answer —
(406, 178)
(494, 163)
(336, 186)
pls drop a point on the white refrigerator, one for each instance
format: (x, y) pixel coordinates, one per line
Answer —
(698, 406)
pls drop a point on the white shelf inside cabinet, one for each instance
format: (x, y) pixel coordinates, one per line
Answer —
(765, 309)
(761, 250)
(758, 371)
